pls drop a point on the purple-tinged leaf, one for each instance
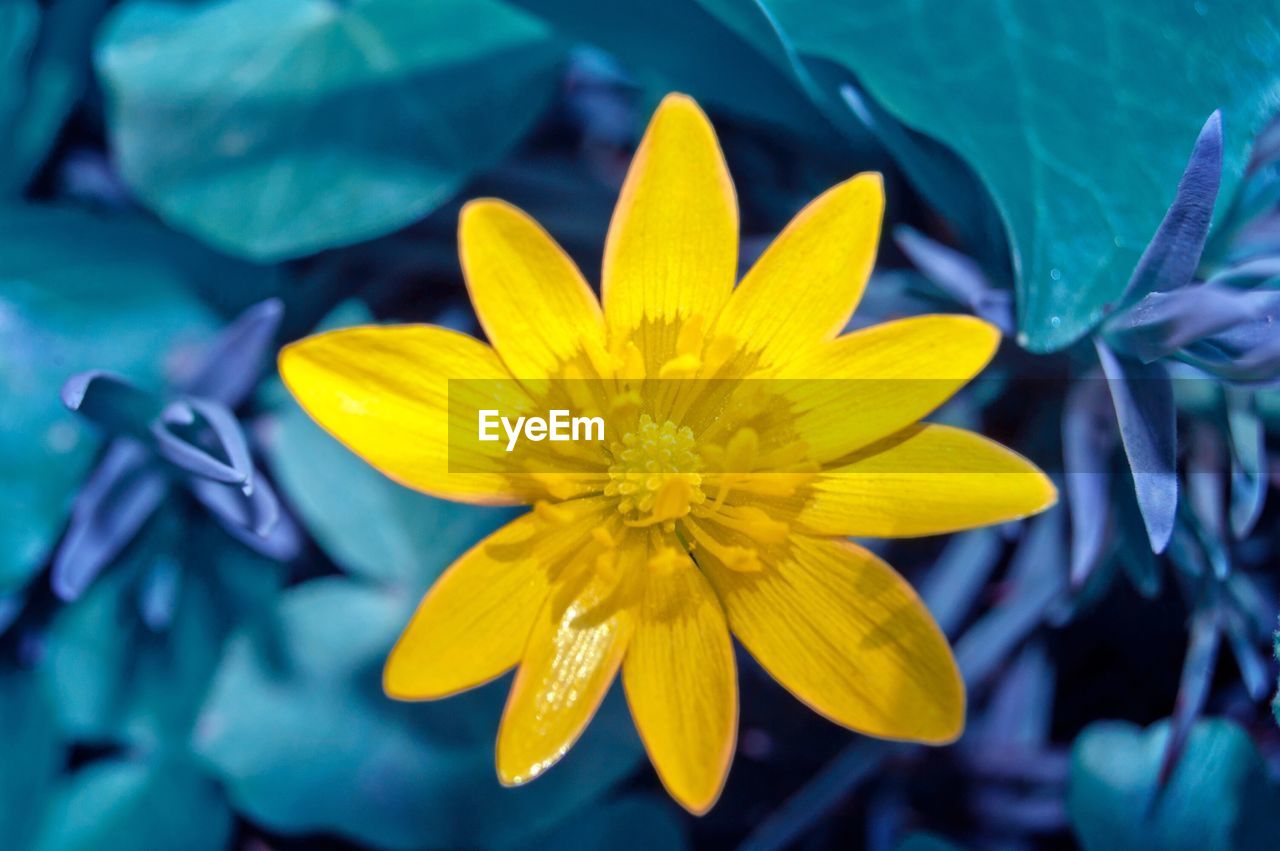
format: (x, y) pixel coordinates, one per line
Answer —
(1257, 271)
(958, 276)
(122, 493)
(1206, 494)
(158, 593)
(1132, 550)
(187, 421)
(1089, 437)
(1162, 323)
(1247, 434)
(962, 569)
(240, 514)
(112, 403)
(1249, 353)
(1171, 258)
(1037, 576)
(1255, 671)
(234, 362)
(1193, 688)
(1143, 398)
(1021, 708)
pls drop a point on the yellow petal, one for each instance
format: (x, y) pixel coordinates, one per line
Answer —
(926, 480)
(473, 624)
(672, 248)
(534, 305)
(568, 665)
(864, 386)
(682, 685)
(804, 288)
(848, 636)
(384, 393)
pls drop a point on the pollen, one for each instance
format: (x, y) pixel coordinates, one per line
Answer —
(656, 473)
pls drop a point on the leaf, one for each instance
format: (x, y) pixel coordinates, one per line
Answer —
(44, 71)
(1077, 118)
(1143, 397)
(110, 298)
(142, 802)
(276, 128)
(368, 524)
(634, 823)
(922, 841)
(1219, 796)
(112, 678)
(305, 741)
(31, 756)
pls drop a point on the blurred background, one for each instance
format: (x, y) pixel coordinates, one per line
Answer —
(188, 662)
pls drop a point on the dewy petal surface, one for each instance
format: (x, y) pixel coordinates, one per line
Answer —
(926, 480)
(859, 388)
(384, 393)
(682, 685)
(844, 633)
(473, 624)
(534, 304)
(805, 287)
(672, 248)
(569, 663)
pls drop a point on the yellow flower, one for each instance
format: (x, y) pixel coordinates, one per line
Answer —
(710, 509)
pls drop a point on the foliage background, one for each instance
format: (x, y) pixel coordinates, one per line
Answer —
(178, 680)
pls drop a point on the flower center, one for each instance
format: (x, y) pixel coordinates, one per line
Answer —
(655, 473)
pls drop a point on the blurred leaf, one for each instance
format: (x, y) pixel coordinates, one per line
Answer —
(112, 676)
(368, 524)
(1219, 795)
(44, 69)
(101, 300)
(276, 128)
(31, 755)
(155, 802)
(667, 45)
(1080, 138)
(634, 823)
(305, 741)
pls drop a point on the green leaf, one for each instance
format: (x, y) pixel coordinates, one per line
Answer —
(276, 128)
(114, 679)
(922, 841)
(31, 755)
(368, 524)
(144, 802)
(1219, 796)
(1079, 118)
(305, 741)
(76, 293)
(19, 26)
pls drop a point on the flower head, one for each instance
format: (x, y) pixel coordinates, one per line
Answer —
(746, 441)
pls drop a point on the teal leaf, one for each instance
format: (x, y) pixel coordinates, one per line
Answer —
(304, 740)
(31, 755)
(633, 823)
(1218, 796)
(923, 841)
(107, 299)
(276, 128)
(116, 679)
(1078, 118)
(138, 802)
(369, 525)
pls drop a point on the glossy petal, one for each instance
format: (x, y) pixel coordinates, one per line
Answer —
(567, 668)
(804, 288)
(926, 480)
(682, 686)
(672, 248)
(534, 305)
(473, 624)
(384, 393)
(847, 636)
(867, 385)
